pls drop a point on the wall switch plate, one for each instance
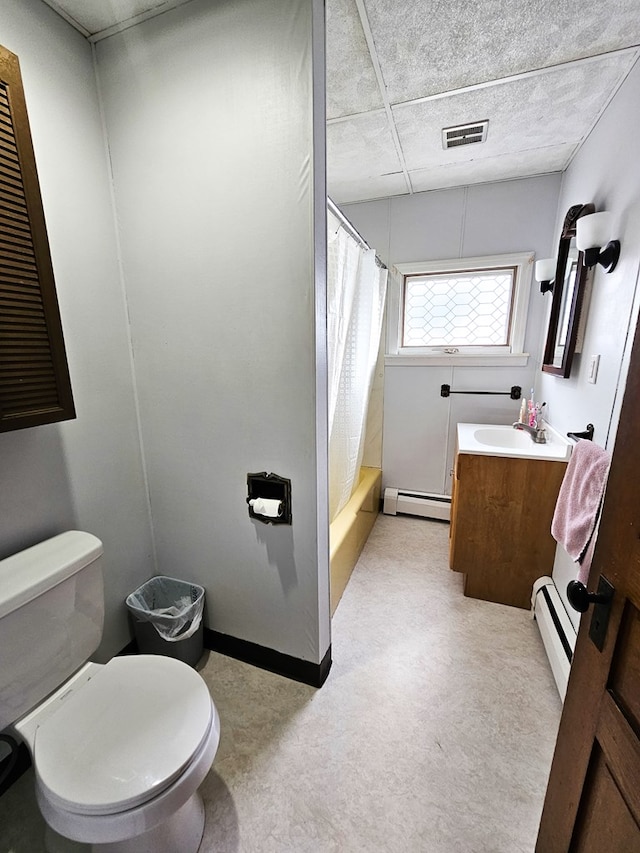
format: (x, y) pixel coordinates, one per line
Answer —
(593, 369)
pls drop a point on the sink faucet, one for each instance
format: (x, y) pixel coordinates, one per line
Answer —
(538, 434)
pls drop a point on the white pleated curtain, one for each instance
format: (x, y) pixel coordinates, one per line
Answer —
(356, 289)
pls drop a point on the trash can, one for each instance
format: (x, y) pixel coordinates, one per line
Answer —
(167, 618)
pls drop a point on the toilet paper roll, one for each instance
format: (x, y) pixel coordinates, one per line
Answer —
(268, 507)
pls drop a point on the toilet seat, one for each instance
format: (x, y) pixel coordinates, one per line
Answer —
(132, 826)
(123, 737)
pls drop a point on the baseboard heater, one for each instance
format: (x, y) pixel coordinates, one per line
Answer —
(556, 629)
(400, 502)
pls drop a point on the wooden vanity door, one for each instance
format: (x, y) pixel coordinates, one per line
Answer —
(501, 525)
(593, 798)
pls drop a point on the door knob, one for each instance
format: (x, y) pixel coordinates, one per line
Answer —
(580, 598)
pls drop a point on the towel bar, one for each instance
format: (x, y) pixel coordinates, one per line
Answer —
(515, 392)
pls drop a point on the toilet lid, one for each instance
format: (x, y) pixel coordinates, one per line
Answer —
(124, 736)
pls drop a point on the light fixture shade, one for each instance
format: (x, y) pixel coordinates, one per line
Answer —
(593, 231)
(545, 269)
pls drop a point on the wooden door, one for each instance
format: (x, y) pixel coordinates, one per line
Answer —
(593, 797)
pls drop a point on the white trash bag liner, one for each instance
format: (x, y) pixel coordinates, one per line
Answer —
(173, 607)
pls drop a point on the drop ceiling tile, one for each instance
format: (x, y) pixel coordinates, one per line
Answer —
(426, 48)
(357, 188)
(504, 167)
(352, 86)
(361, 146)
(548, 109)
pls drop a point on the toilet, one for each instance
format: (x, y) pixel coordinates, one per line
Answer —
(119, 750)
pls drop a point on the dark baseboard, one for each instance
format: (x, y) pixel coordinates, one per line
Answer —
(314, 674)
(22, 762)
(130, 649)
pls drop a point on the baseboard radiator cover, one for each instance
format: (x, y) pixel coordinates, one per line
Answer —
(556, 629)
(401, 502)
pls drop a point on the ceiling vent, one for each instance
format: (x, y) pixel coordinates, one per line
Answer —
(464, 134)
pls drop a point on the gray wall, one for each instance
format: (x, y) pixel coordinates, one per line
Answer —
(209, 115)
(86, 473)
(484, 219)
(606, 172)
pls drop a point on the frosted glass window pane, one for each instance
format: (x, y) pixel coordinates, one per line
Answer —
(458, 309)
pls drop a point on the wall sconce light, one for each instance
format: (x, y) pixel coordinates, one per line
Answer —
(593, 232)
(544, 272)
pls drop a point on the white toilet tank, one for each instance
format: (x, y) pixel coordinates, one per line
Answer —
(51, 618)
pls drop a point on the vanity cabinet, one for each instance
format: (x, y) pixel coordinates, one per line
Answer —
(501, 514)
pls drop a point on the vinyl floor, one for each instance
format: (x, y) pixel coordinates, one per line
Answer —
(433, 733)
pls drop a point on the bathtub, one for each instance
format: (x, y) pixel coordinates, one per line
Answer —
(350, 529)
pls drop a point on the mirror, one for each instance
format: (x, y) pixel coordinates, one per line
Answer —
(568, 295)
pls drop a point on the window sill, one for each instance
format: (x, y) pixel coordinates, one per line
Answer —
(452, 360)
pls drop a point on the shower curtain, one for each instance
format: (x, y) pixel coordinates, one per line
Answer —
(356, 289)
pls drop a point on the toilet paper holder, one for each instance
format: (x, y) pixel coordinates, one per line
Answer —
(270, 487)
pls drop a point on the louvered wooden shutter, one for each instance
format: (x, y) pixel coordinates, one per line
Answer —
(34, 377)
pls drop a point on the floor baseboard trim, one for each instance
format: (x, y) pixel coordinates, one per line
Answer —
(314, 674)
(22, 763)
(130, 649)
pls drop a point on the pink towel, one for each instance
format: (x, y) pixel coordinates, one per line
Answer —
(579, 501)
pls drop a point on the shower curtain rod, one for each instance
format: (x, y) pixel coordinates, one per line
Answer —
(351, 230)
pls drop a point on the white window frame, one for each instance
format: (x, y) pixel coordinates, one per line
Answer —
(488, 356)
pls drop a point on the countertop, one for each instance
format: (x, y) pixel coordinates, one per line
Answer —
(505, 440)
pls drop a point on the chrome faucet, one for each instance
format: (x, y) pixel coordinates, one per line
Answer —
(537, 433)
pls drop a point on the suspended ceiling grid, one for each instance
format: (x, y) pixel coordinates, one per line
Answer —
(540, 71)
(398, 71)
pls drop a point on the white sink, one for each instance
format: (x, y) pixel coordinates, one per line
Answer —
(501, 437)
(498, 440)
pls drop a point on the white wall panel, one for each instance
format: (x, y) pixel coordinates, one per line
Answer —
(86, 473)
(209, 111)
(416, 420)
(425, 226)
(513, 216)
(513, 213)
(374, 221)
(605, 172)
(517, 214)
(483, 409)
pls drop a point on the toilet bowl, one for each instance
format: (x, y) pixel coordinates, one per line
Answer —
(119, 747)
(119, 750)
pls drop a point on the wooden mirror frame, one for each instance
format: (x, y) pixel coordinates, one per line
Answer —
(568, 232)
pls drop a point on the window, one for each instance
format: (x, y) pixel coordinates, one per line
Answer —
(470, 310)
(34, 378)
(458, 309)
